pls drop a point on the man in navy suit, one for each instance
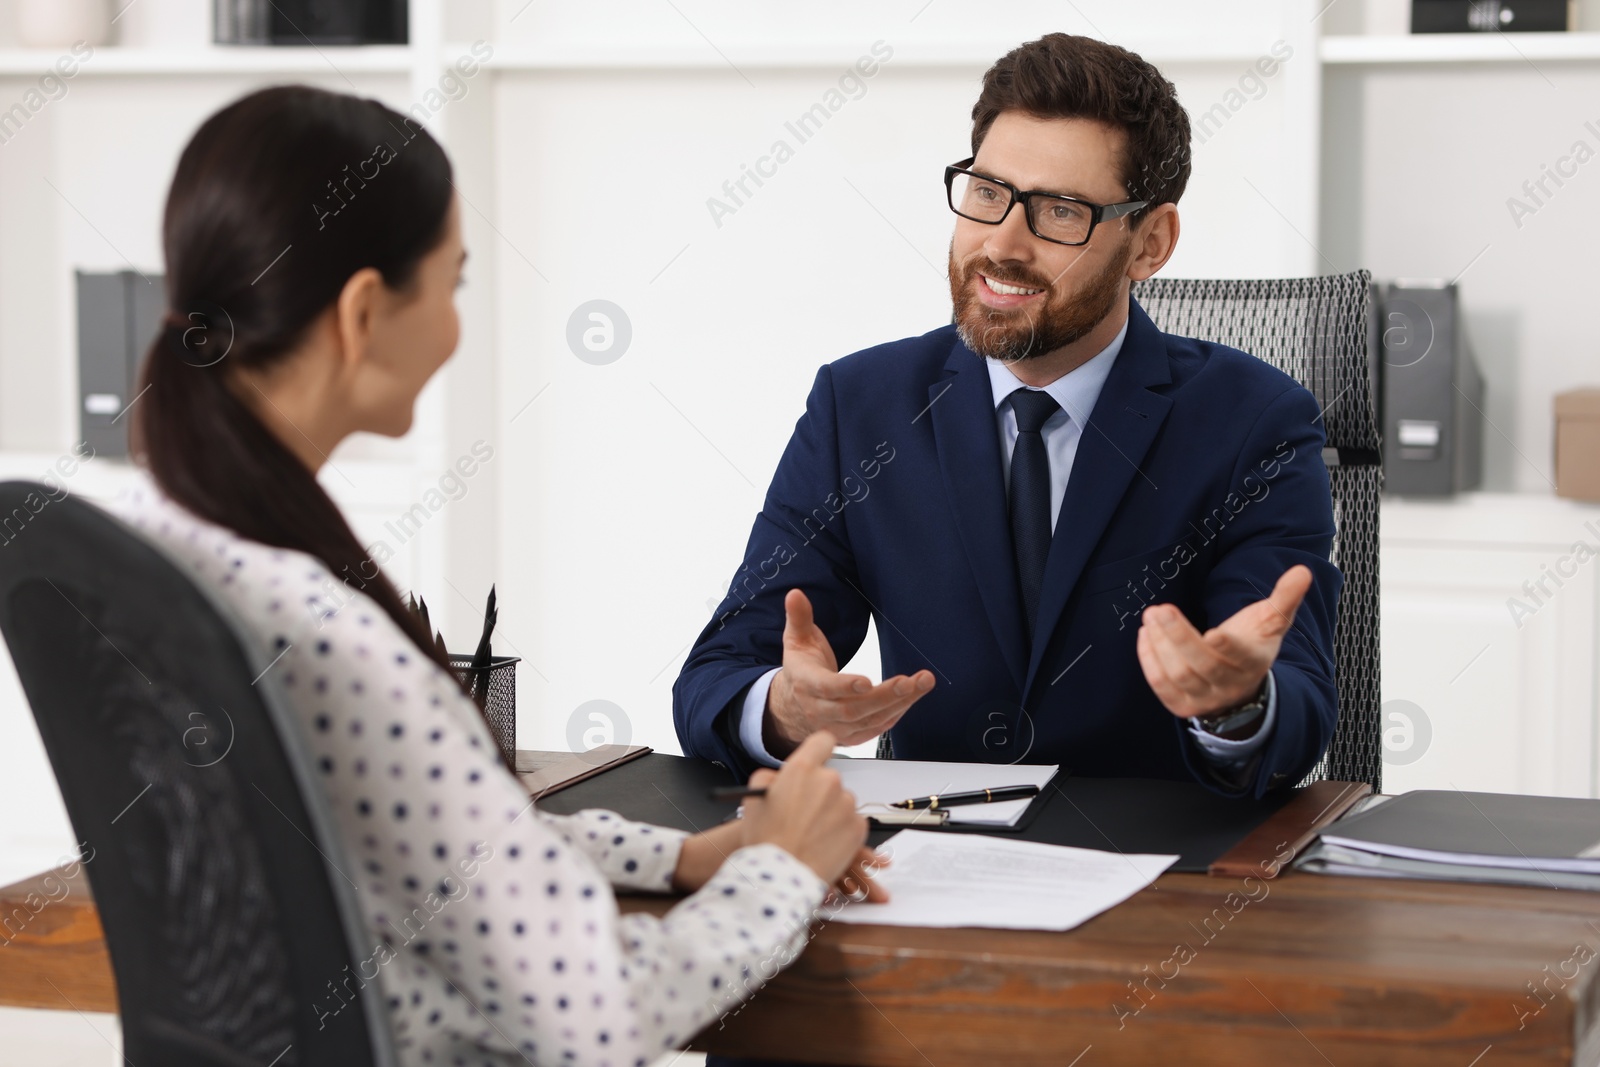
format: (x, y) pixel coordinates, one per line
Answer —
(1083, 541)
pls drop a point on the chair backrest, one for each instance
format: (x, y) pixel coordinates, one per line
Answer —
(211, 854)
(1320, 332)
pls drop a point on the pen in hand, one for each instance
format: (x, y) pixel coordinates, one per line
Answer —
(934, 802)
(736, 792)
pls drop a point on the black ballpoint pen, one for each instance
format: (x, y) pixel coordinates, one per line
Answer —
(935, 802)
(736, 792)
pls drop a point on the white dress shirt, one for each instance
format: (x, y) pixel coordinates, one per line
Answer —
(1076, 392)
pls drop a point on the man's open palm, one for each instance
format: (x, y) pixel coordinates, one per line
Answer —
(1195, 673)
(809, 693)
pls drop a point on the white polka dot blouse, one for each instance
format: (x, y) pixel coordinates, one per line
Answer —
(494, 933)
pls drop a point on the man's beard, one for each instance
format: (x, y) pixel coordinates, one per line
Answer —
(1028, 333)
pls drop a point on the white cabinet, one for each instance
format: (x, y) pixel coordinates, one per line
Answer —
(1489, 637)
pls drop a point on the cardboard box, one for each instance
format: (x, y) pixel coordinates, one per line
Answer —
(1578, 444)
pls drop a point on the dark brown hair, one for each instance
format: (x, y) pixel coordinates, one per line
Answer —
(278, 199)
(1061, 76)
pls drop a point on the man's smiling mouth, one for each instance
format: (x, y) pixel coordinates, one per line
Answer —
(1007, 290)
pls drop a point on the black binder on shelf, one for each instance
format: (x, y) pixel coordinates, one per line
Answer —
(1204, 829)
(1491, 16)
(309, 22)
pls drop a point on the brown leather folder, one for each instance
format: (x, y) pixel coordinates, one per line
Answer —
(542, 775)
(1269, 848)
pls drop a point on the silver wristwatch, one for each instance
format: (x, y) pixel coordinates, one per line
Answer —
(1236, 724)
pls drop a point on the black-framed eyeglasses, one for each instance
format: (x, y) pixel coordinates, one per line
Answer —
(1064, 220)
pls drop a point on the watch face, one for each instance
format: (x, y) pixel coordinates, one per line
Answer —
(1236, 720)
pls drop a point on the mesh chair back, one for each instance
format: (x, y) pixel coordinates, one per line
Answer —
(233, 931)
(1318, 331)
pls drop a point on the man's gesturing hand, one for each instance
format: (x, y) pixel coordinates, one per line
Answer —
(1196, 674)
(809, 693)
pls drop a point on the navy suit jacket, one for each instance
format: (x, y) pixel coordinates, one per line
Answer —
(1198, 481)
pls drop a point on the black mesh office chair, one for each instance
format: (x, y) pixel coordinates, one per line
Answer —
(1319, 332)
(215, 866)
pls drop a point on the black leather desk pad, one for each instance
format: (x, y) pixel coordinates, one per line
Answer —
(1111, 814)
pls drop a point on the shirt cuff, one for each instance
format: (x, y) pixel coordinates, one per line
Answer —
(1221, 750)
(751, 718)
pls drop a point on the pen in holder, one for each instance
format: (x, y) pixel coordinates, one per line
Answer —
(490, 680)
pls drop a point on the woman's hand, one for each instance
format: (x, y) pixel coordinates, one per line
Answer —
(857, 883)
(807, 812)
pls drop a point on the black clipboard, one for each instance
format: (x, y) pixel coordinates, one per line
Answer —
(1133, 815)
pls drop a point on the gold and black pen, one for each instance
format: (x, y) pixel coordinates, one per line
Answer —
(976, 796)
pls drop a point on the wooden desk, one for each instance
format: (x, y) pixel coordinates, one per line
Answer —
(1353, 972)
(52, 949)
(1345, 971)
(1312, 970)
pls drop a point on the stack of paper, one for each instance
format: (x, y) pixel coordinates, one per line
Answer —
(878, 783)
(1450, 835)
(941, 879)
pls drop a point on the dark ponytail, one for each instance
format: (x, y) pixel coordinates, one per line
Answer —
(278, 199)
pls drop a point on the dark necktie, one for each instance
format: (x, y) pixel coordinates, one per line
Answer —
(1030, 494)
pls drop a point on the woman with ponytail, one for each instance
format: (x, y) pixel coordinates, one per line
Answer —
(312, 246)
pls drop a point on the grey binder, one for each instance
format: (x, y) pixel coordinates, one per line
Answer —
(1454, 836)
(118, 316)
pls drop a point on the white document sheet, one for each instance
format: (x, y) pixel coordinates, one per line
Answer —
(944, 879)
(885, 781)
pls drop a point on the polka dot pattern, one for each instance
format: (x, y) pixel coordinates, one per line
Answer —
(495, 931)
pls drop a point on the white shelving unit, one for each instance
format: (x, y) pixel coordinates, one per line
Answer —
(161, 73)
(977, 54)
(112, 60)
(1501, 671)
(1461, 48)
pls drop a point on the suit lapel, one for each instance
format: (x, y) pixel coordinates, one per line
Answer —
(1120, 430)
(961, 406)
